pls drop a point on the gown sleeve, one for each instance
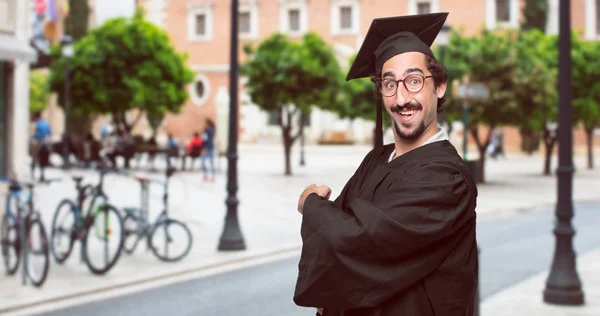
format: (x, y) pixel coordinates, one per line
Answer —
(362, 256)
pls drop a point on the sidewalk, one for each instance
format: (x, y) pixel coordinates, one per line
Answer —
(526, 298)
(267, 211)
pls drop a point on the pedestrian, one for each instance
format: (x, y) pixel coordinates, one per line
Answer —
(40, 145)
(400, 237)
(208, 152)
(193, 149)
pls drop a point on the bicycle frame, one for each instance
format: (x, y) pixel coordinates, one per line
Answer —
(24, 201)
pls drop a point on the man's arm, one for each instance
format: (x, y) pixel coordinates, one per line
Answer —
(358, 258)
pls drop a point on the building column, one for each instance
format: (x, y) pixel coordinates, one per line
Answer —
(19, 118)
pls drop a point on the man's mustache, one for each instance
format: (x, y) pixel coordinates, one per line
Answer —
(406, 107)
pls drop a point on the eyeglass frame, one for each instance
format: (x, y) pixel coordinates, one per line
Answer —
(403, 83)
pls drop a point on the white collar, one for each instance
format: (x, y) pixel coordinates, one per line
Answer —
(439, 136)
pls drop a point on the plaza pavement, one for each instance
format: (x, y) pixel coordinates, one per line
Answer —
(271, 224)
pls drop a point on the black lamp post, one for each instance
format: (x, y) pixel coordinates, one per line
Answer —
(67, 51)
(232, 238)
(302, 124)
(563, 286)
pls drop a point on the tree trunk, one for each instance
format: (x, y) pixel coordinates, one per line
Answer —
(481, 147)
(549, 142)
(589, 132)
(287, 148)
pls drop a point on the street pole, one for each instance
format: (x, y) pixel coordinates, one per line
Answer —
(465, 119)
(231, 238)
(66, 163)
(563, 286)
(302, 119)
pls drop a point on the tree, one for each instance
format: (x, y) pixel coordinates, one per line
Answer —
(39, 91)
(289, 78)
(357, 99)
(122, 65)
(535, 14)
(487, 58)
(77, 22)
(535, 88)
(586, 89)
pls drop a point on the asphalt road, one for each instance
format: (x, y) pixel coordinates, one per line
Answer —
(512, 249)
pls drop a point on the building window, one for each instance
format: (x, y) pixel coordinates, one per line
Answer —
(244, 21)
(248, 19)
(597, 17)
(200, 22)
(502, 14)
(344, 17)
(293, 17)
(502, 11)
(294, 20)
(423, 7)
(200, 90)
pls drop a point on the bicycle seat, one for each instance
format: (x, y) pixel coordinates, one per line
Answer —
(77, 179)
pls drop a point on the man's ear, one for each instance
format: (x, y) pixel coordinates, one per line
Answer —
(441, 89)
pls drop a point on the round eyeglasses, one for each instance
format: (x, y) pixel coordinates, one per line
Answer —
(413, 83)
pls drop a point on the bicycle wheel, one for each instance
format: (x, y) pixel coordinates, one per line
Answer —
(103, 240)
(37, 254)
(62, 234)
(132, 233)
(170, 240)
(10, 245)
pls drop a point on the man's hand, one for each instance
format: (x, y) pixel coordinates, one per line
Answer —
(320, 311)
(322, 191)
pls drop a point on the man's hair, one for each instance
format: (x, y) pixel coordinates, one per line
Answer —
(438, 71)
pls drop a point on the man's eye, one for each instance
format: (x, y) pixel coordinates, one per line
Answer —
(391, 84)
(415, 81)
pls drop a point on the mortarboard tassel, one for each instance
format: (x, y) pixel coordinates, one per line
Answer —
(379, 130)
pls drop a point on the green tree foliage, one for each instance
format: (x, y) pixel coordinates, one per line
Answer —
(488, 58)
(122, 65)
(535, 90)
(535, 14)
(290, 78)
(357, 99)
(39, 91)
(76, 23)
(586, 88)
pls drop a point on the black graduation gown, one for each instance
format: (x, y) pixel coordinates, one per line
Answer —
(399, 240)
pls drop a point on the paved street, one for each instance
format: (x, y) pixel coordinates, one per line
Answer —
(512, 249)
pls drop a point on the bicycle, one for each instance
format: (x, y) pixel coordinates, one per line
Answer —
(137, 224)
(20, 241)
(99, 223)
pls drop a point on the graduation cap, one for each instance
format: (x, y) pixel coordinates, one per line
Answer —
(388, 37)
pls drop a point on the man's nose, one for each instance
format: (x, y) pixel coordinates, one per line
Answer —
(401, 95)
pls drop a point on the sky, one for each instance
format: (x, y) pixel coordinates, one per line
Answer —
(108, 9)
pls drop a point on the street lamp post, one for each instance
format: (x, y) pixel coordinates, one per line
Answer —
(232, 238)
(563, 286)
(67, 51)
(302, 122)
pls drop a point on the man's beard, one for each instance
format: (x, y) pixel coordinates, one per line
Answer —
(417, 131)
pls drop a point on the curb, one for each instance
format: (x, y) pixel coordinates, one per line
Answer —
(159, 277)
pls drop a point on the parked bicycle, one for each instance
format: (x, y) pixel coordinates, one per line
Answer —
(100, 230)
(23, 234)
(169, 239)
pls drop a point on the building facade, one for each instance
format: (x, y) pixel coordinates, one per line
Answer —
(202, 28)
(16, 56)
